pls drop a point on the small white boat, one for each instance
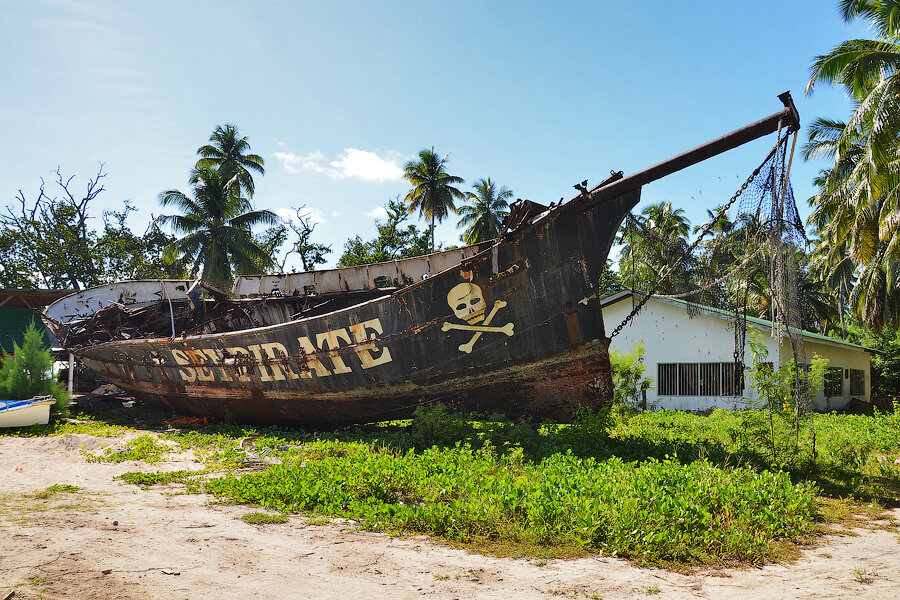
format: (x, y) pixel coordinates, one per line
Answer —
(23, 413)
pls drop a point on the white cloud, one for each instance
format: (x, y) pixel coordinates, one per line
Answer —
(367, 166)
(378, 212)
(352, 163)
(289, 214)
(295, 163)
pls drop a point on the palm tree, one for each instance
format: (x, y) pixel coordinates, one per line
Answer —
(432, 193)
(216, 222)
(857, 210)
(484, 217)
(654, 243)
(869, 70)
(227, 151)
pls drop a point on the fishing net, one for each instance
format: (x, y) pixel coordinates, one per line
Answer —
(743, 261)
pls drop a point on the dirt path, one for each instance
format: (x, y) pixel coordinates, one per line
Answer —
(111, 540)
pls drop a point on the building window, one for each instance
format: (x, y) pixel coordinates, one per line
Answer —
(834, 382)
(857, 382)
(700, 379)
(667, 380)
(687, 379)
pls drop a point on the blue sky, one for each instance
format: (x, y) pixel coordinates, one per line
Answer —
(336, 96)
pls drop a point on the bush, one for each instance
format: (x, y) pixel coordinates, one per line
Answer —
(28, 372)
(629, 383)
(436, 425)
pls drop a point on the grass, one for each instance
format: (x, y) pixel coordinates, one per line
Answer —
(80, 423)
(21, 508)
(665, 488)
(144, 448)
(145, 480)
(54, 489)
(262, 518)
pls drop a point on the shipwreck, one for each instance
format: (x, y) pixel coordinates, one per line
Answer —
(513, 325)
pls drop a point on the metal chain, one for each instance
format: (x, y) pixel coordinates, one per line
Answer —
(727, 275)
(705, 230)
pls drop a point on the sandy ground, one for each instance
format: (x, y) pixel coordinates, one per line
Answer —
(112, 540)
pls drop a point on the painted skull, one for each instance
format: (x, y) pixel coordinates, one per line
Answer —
(467, 302)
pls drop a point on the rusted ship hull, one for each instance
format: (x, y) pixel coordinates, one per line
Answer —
(542, 350)
(513, 326)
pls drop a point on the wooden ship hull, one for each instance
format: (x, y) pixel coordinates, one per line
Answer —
(511, 326)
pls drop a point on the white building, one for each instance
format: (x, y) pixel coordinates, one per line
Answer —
(691, 357)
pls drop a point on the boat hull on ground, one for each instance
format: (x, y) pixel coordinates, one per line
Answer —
(516, 329)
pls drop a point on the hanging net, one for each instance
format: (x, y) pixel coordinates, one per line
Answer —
(743, 261)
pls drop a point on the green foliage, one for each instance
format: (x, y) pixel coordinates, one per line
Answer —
(310, 253)
(56, 488)
(652, 243)
(228, 153)
(28, 372)
(63, 487)
(484, 211)
(432, 194)
(215, 224)
(146, 480)
(392, 242)
(885, 364)
(662, 487)
(629, 383)
(129, 256)
(656, 511)
(144, 448)
(49, 242)
(608, 283)
(261, 518)
(784, 392)
(855, 211)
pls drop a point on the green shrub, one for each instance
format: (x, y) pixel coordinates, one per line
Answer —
(629, 383)
(28, 372)
(436, 425)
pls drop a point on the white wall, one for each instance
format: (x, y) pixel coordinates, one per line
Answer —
(670, 335)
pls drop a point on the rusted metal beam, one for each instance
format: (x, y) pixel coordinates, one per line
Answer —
(789, 118)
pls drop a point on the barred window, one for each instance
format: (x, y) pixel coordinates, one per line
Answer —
(857, 382)
(834, 382)
(700, 379)
(668, 379)
(687, 379)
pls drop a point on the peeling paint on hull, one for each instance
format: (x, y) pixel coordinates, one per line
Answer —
(536, 346)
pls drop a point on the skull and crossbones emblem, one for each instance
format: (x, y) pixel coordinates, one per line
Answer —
(467, 302)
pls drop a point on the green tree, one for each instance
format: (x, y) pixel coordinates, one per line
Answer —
(869, 71)
(216, 224)
(28, 371)
(484, 216)
(48, 241)
(432, 194)
(393, 240)
(629, 383)
(227, 152)
(784, 392)
(857, 209)
(655, 241)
